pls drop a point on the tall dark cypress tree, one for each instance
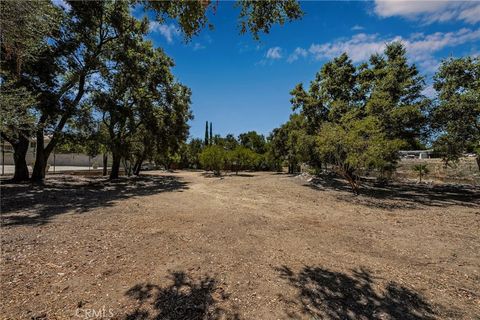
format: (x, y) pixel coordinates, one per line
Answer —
(206, 134)
(211, 135)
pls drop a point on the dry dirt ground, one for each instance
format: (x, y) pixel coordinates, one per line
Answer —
(256, 246)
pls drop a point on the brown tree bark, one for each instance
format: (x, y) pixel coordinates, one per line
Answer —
(105, 164)
(20, 150)
(138, 166)
(115, 165)
(39, 169)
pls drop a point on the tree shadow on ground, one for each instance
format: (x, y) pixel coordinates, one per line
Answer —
(184, 299)
(400, 195)
(324, 294)
(241, 175)
(27, 204)
(210, 174)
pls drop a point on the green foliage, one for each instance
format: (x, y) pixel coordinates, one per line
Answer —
(213, 158)
(24, 26)
(270, 160)
(253, 141)
(422, 170)
(64, 53)
(228, 142)
(394, 94)
(355, 118)
(242, 158)
(193, 150)
(291, 144)
(357, 145)
(144, 109)
(206, 140)
(456, 115)
(259, 16)
(15, 106)
(255, 16)
(237, 157)
(211, 134)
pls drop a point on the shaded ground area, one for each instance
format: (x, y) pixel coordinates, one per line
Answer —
(39, 203)
(186, 245)
(334, 295)
(185, 298)
(401, 195)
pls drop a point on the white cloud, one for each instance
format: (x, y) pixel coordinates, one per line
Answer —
(420, 47)
(359, 47)
(429, 11)
(297, 53)
(198, 46)
(274, 53)
(357, 27)
(169, 32)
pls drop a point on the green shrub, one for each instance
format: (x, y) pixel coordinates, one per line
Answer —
(422, 170)
(242, 158)
(213, 158)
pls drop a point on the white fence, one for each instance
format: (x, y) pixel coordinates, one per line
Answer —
(60, 159)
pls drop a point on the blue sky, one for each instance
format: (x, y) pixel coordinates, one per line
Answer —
(241, 84)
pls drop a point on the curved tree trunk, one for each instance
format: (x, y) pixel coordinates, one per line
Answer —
(352, 181)
(20, 149)
(42, 151)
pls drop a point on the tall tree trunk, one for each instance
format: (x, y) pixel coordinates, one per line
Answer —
(42, 151)
(115, 165)
(105, 164)
(478, 161)
(135, 166)
(20, 150)
(39, 169)
(138, 166)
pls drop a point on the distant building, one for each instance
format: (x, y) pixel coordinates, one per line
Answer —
(416, 154)
(59, 159)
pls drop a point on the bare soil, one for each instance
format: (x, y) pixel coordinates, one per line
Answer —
(185, 245)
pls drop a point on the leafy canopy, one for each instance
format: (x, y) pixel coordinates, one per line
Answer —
(456, 115)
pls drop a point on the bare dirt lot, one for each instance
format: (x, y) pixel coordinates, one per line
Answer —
(255, 246)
